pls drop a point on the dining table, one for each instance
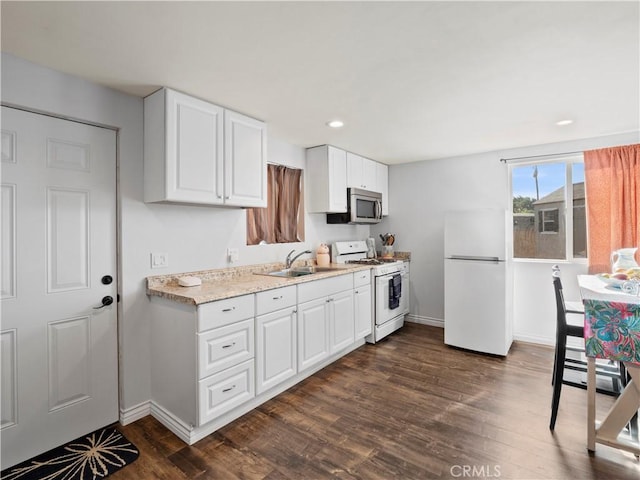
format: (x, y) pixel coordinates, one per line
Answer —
(612, 331)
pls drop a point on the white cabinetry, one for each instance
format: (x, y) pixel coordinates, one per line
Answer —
(326, 180)
(362, 303)
(382, 185)
(406, 284)
(361, 172)
(199, 153)
(202, 357)
(276, 341)
(245, 160)
(325, 319)
(214, 362)
(341, 320)
(331, 170)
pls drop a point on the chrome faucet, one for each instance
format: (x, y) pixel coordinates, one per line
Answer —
(289, 261)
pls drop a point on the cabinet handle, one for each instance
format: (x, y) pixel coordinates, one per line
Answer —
(277, 298)
(229, 309)
(227, 197)
(228, 389)
(356, 291)
(229, 345)
(219, 196)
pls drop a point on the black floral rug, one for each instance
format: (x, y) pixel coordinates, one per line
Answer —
(90, 457)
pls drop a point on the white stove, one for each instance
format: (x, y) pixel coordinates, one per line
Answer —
(391, 276)
(356, 252)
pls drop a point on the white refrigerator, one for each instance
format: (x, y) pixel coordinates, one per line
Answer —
(478, 284)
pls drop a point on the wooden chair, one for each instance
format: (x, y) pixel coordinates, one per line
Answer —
(570, 323)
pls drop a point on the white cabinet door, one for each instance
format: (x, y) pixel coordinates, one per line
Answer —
(245, 160)
(362, 310)
(404, 299)
(382, 185)
(369, 171)
(276, 348)
(326, 180)
(341, 320)
(313, 333)
(354, 171)
(183, 147)
(361, 172)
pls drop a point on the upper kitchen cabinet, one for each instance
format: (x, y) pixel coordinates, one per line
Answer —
(382, 185)
(361, 172)
(245, 160)
(326, 180)
(199, 153)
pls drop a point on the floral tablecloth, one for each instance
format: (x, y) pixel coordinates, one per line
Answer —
(612, 330)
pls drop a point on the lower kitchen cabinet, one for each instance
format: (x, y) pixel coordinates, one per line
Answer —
(276, 348)
(341, 321)
(217, 394)
(326, 323)
(313, 333)
(362, 300)
(214, 362)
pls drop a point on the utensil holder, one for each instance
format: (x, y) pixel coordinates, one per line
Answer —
(387, 251)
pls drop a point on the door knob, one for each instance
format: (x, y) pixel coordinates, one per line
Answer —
(106, 301)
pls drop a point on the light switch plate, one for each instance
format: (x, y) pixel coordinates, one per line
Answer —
(159, 260)
(232, 255)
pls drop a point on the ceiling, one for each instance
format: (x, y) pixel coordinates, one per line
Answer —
(411, 80)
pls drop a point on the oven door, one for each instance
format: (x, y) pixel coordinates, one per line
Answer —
(383, 313)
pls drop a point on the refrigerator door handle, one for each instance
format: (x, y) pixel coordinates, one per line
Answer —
(473, 258)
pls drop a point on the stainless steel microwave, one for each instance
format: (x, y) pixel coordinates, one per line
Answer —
(363, 207)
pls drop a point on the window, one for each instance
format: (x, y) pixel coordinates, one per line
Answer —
(282, 221)
(548, 221)
(542, 225)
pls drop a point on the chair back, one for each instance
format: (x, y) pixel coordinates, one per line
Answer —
(561, 309)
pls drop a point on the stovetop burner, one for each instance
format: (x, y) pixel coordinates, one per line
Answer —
(366, 261)
(373, 261)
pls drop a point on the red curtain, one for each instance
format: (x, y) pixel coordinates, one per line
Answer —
(278, 222)
(612, 182)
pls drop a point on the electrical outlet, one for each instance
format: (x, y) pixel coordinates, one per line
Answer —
(159, 260)
(232, 255)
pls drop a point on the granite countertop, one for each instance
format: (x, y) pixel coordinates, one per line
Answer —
(232, 282)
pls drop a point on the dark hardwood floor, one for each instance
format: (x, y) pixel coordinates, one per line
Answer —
(409, 408)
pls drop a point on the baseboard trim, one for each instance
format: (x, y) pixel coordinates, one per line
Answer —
(190, 434)
(434, 322)
(131, 414)
(535, 339)
(177, 426)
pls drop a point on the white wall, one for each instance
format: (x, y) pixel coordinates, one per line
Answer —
(420, 193)
(195, 238)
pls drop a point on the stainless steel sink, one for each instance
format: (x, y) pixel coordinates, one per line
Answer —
(297, 271)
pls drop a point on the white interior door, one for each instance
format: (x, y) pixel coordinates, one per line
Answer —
(59, 353)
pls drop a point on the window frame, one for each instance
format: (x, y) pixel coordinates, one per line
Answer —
(568, 160)
(554, 221)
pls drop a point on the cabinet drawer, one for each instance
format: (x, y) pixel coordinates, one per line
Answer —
(325, 287)
(277, 299)
(361, 278)
(223, 312)
(224, 347)
(224, 391)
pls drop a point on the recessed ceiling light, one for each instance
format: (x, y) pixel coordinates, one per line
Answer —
(335, 123)
(564, 122)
